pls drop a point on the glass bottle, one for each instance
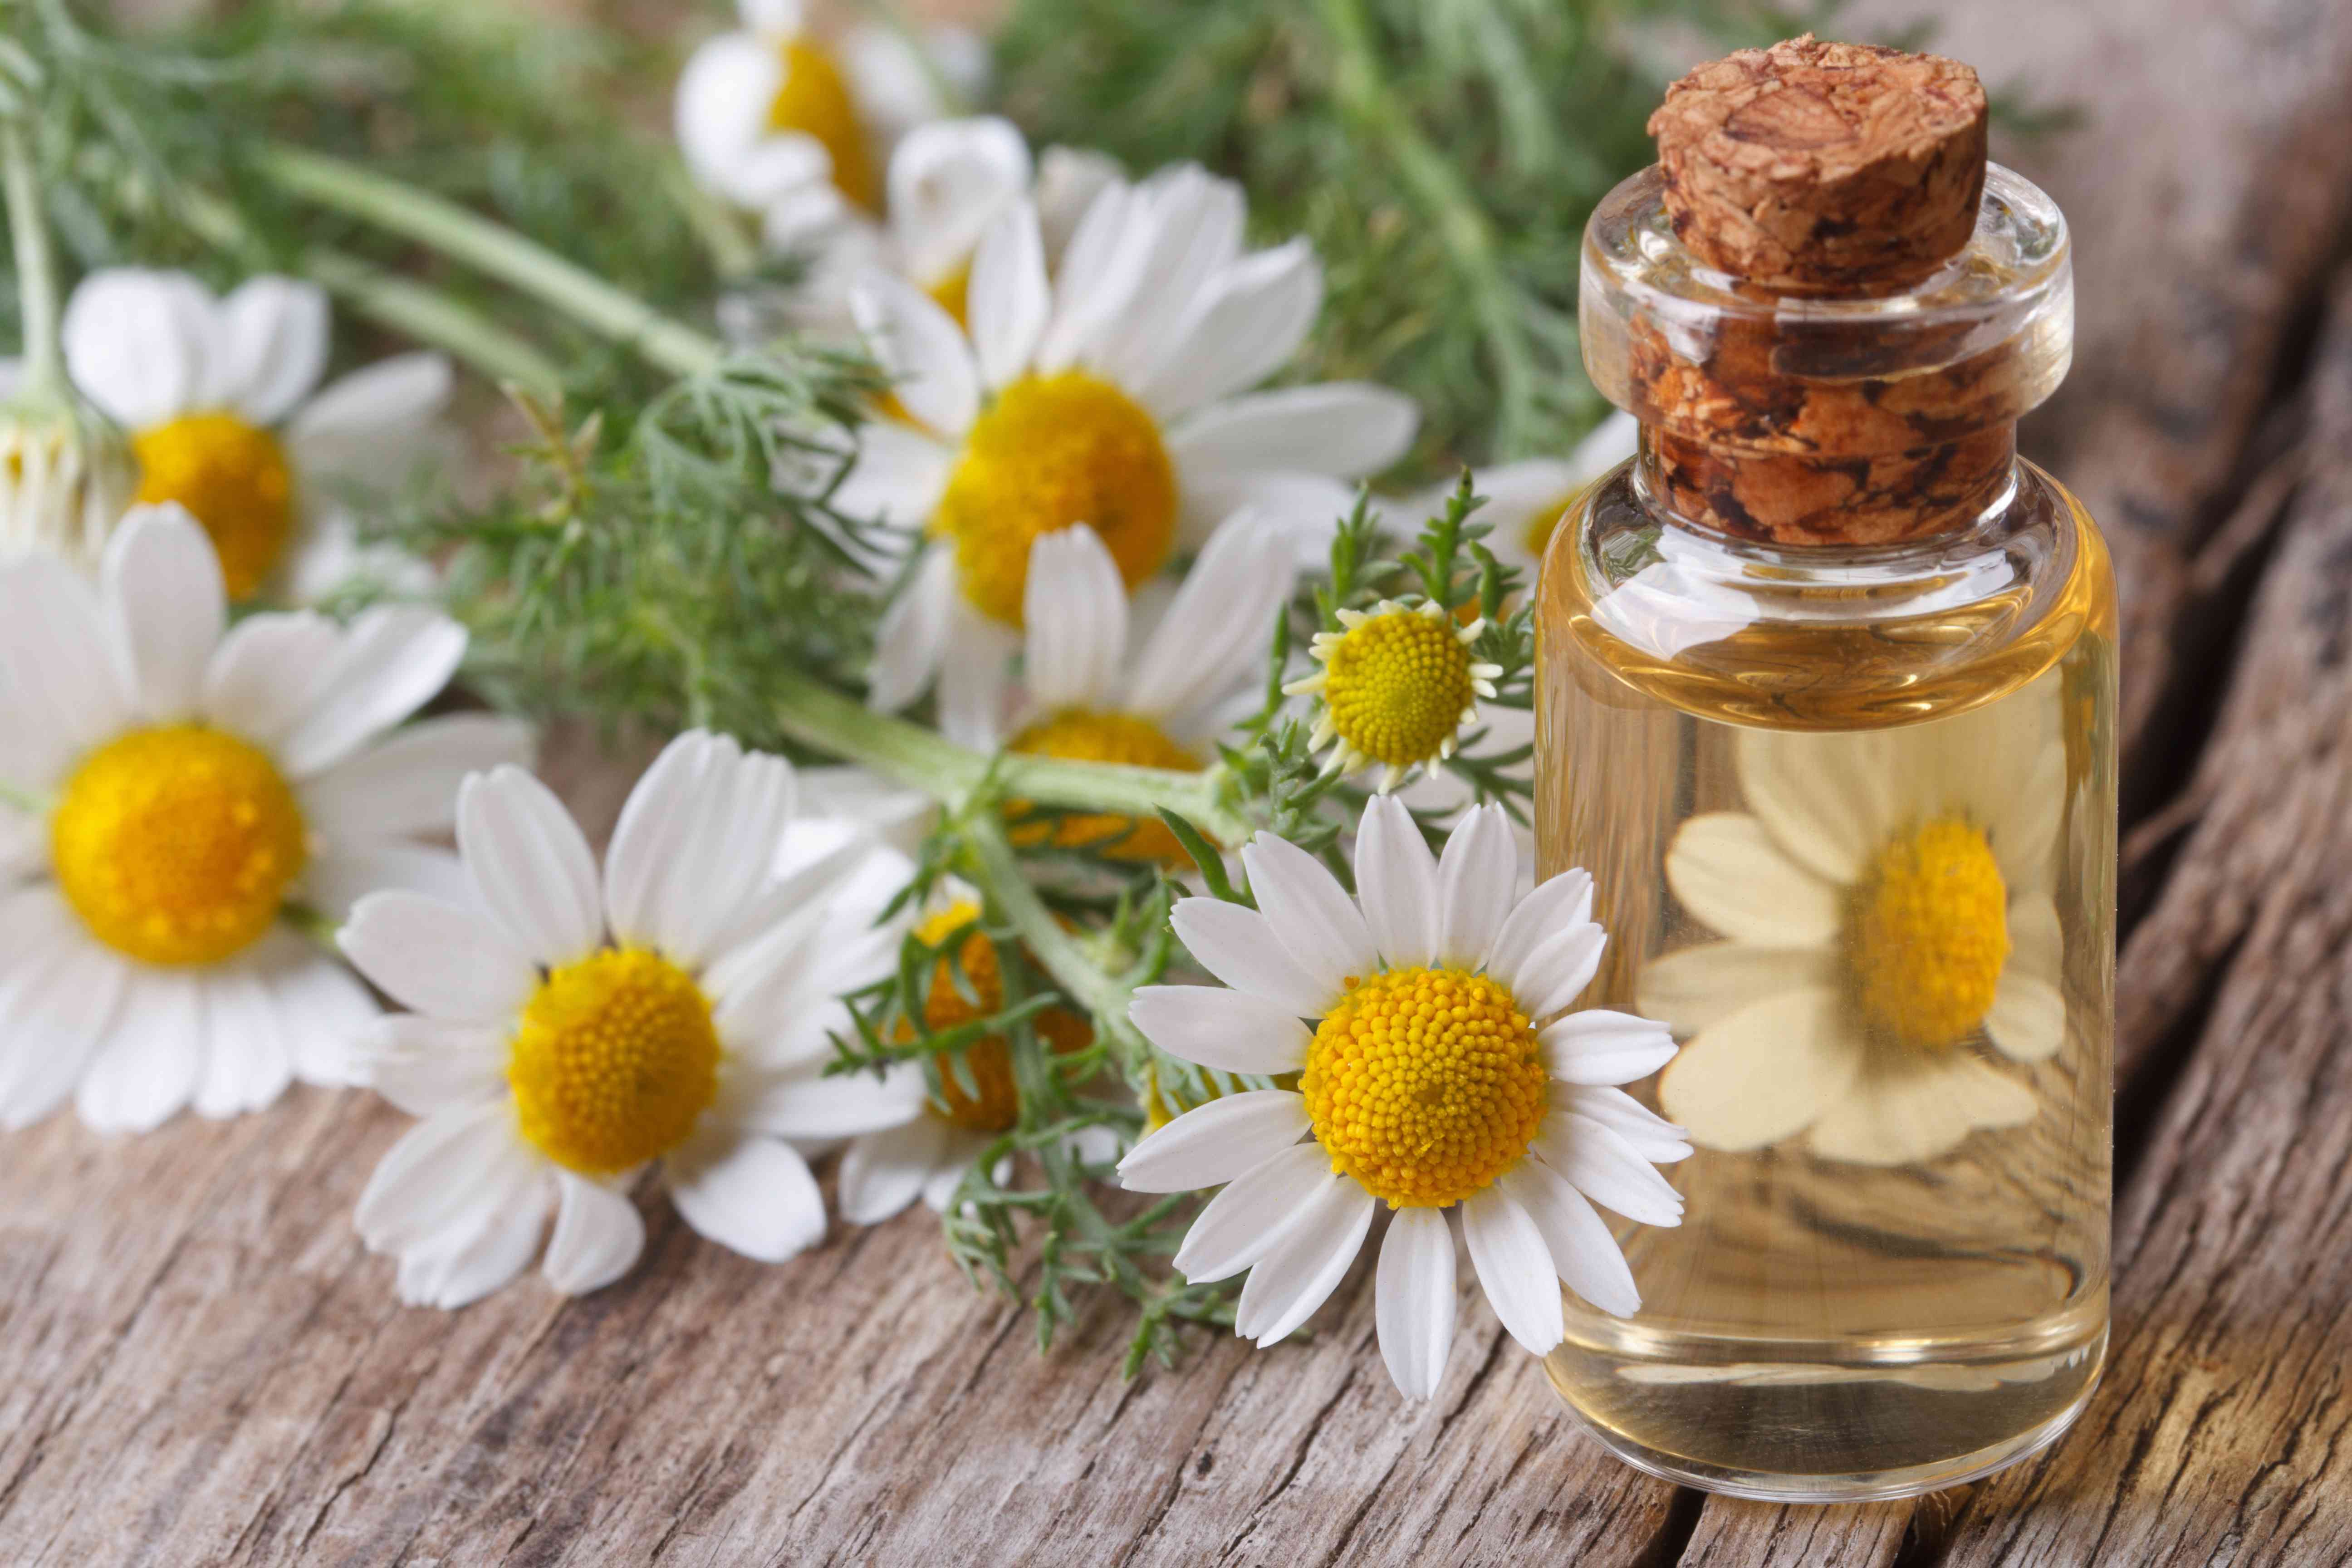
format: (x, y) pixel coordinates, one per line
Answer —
(1844, 774)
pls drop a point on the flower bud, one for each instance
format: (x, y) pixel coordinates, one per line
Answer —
(67, 474)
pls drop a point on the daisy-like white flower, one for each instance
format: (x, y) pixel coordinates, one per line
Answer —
(1526, 500)
(172, 792)
(1891, 936)
(882, 1172)
(66, 474)
(1424, 1084)
(1114, 396)
(777, 115)
(571, 1029)
(1397, 687)
(222, 403)
(1084, 699)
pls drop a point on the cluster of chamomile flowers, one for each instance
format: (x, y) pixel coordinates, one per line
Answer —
(208, 776)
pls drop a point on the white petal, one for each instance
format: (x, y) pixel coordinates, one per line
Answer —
(141, 345)
(975, 677)
(58, 998)
(1299, 1273)
(1235, 944)
(1414, 1305)
(393, 659)
(1341, 428)
(153, 1054)
(62, 689)
(1229, 1030)
(1693, 987)
(1767, 1071)
(424, 1065)
(491, 1253)
(922, 349)
(2028, 1020)
(1107, 256)
(1733, 879)
(1559, 903)
(1009, 297)
(323, 1012)
(721, 111)
(1515, 1268)
(274, 344)
(804, 1104)
(1652, 1136)
(598, 1236)
(1396, 880)
(751, 1195)
(1196, 224)
(374, 425)
(1068, 181)
(1607, 1169)
(1585, 1254)
(947, 181)
(247, 1064)
(443, 1175)
(267, 673)
(1599, 1046)
(1556, 974)
(1478, 882)
(1302, 511)
(1074, 606)
(342, 874)
(407, 783)
(1215, 639)
(897, 477)
(529, 865)
(681, 885)
(1827, 801)
(883, 1173)
(1215, 1142)
(912, 638)
(1905, 1117)
(164, 594)
(437, 958)
(1242, 1223)
(1251, 320)
(1311, 914)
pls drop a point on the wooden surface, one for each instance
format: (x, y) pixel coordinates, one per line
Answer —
(198, 1363)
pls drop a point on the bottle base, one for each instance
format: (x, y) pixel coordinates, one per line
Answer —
(1788, 1432)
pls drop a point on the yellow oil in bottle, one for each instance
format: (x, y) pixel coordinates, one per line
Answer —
(1851, 817)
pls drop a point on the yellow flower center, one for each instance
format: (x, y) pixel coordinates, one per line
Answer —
(176, 845)
(1083, 735)
(1397, 687)
(615, 1057)
(233, 478)
(952, 293)
(1425, 1085)
(1050, 452)
(1930, 934)
(814, 100)
(988, 1059)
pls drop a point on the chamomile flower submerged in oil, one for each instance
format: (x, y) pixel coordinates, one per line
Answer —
(1825, 705)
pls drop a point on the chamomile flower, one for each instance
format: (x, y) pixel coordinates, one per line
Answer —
(221, 400)
(775, 114)
(66, 474)
(883, 1173)
(1116, 396)
(571, 1029)
(175, 796)
(1085, 699)
(1397, 687)
(1424, 1083)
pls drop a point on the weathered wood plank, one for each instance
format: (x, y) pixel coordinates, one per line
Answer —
(1733, 1534)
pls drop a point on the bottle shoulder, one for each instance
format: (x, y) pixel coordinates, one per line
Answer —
(1636, 611)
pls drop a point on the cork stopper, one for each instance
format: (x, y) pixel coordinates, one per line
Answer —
(1814, 168)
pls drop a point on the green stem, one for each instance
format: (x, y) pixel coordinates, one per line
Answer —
(36, 276)
(1061, 955)
(413, 308)
(497, 250)
(922, 759)
(1461, 223)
